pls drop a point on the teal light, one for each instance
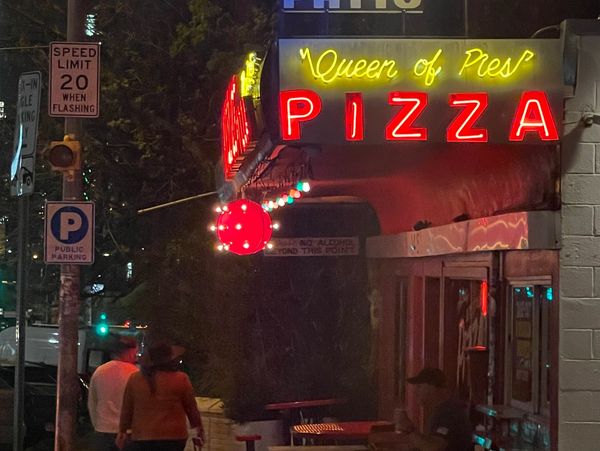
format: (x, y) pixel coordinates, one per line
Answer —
(290, 200)
(102, 316)
(549, 294)
(299, 186)
(102, 329)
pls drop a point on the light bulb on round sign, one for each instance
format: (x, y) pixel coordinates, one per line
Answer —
(244, 227)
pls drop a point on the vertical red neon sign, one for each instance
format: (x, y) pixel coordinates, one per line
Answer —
(297, 106)
(533, 116)
(355, 118)
(235, 128)
(483, 293)
(473, 105)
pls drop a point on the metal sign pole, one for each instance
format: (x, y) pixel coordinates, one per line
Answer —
(69, 302)
(19, 393)
(22, 174)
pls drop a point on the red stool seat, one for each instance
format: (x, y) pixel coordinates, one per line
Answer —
(249, 439)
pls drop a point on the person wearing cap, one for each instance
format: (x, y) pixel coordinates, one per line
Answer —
(156, 403)
(106, 390)
(448, 427)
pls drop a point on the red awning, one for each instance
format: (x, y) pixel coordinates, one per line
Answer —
(406, 185)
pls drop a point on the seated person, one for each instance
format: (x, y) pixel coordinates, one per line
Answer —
(448, 427)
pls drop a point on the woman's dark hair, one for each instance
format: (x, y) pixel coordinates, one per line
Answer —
(160, 354)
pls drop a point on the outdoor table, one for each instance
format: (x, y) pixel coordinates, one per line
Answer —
(337, 431)
(301, 407)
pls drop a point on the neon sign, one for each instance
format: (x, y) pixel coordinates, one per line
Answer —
(400, 127)
(250, 76)
(533, 116)
(461, 129)
(355, 127)
(328, 67)
(235, 128)
(376, 91)
(296, 107)
(495, 67)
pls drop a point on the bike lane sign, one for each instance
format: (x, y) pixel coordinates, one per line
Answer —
(22, 168)
(69, 233)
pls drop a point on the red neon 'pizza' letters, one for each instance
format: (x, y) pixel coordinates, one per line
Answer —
(400, 127)
(461, 129)
(297, 106)
(355, 128)
(533, 116)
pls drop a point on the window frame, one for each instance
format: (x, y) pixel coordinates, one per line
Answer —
(539, 403)
(400, 338)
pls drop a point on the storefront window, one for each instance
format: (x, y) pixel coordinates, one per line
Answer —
(529, 353)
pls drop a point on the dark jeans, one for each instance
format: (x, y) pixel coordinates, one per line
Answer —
(157, 445)
(104, 442)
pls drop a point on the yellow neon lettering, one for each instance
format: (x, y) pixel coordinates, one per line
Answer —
(373, 69)
(492, 66)
(248, 77)
(495, 67)
(359, 71)
(425, 67)
(328, 67)
(344, 71)
(392, 72)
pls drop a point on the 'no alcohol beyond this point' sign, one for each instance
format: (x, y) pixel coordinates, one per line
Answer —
(74, 73)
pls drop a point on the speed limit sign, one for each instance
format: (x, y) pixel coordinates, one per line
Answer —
(74, 73)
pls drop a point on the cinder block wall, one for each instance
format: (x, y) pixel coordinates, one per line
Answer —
(579, 386)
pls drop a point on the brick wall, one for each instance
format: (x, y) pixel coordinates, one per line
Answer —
(579, 389)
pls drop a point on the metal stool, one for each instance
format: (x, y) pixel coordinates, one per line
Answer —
(249, 439)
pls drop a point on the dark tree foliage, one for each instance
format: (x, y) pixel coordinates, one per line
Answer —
(165, 68)
(165, 64)
(27, 28)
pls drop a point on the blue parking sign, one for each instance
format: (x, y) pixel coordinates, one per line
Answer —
(69, 233)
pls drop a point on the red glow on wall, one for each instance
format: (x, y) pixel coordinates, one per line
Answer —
(243, 227)
(297, 106)
(483, 293)
(400, 127)
(235, 128)
(461, 129)
(355, 119)
(533, 116)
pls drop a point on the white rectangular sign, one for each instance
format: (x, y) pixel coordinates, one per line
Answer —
(314, 247)
(69, 233)
(354, 6)
(74, 79)
(22, 168)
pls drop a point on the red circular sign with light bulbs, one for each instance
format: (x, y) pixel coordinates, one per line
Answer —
(243, 227)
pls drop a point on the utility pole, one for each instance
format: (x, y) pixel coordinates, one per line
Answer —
(69, 303)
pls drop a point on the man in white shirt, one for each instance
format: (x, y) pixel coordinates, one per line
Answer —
(106, 393)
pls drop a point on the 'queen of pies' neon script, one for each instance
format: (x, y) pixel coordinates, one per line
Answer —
(376, 91)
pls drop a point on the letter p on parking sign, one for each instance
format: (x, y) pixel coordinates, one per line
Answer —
(69, 233)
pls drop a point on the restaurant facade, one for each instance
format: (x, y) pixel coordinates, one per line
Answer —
(474, 162)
